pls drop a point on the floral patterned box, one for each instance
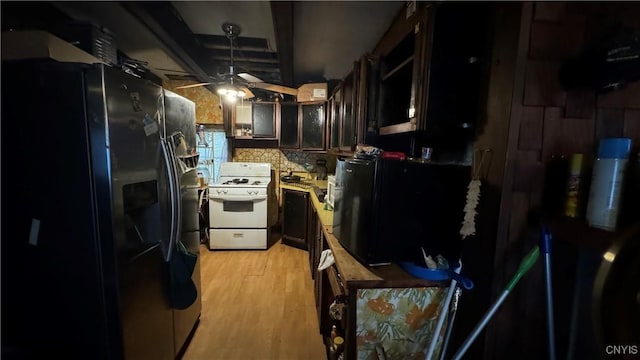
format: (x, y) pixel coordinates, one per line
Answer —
(401, 320)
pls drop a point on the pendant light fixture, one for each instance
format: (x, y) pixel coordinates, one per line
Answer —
(230, 91)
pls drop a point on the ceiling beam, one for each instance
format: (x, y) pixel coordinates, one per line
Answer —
(241, 42)
(282, 15)
(165, 23)
(242, 54)
(239, 59)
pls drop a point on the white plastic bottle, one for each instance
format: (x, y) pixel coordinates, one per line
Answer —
(607, 182)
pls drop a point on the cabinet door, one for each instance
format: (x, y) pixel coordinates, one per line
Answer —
(264, 120)
(336, 113)
(289, 129)
(313, 126)
(294, 214)
(348, 118)
(366, 99)
(242, 116)
(227, 117)
(454, 90)
(312, 224)
(397, 87)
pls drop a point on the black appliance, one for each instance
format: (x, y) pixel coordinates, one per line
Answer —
(92, 213)
(391, 208)
(294, 218)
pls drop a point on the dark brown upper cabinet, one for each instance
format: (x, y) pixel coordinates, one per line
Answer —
(252, 124)
(289, 126)
(457, 66)
(347, 140)
(313, 125)
(303, 126)
(335, 113)
(366, 98)
(353, 106)
(431, 69)
(251, 120)
(400, 72)
(264, 120)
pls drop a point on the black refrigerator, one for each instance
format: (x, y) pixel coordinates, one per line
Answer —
(392, 209)
(91, 213)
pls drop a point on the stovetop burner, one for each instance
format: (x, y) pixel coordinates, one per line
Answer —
(236, 181)
(244, 182)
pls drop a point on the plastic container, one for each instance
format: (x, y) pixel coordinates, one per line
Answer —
(205, 175)
(573, 204)
(606, 183)
(200, 179)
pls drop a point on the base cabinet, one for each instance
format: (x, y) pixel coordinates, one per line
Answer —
(313, 227)
(331, 304)
(386, 310)
(294, 218)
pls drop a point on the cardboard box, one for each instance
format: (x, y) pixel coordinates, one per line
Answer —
(17, 45)
(312, 92)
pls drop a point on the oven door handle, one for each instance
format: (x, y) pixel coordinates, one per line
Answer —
(237, 197)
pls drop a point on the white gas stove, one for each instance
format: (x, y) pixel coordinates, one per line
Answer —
(239, 206)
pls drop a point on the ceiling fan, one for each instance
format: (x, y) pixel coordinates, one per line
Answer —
(242, 81)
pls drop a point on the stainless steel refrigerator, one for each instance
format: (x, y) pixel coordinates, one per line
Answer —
(180, 131)
(91, 212)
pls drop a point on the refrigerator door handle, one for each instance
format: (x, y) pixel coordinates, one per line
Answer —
(178, 188)
(172, 185)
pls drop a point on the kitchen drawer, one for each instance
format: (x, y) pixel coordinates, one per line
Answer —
(237, 239)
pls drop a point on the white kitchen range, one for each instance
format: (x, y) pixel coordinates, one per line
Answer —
(240, 206)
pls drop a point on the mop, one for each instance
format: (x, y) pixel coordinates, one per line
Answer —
(443, 315)
(525, 266)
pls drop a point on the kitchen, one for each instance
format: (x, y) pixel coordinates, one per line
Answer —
(523, 116)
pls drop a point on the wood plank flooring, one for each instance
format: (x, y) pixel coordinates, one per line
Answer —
(256, 305)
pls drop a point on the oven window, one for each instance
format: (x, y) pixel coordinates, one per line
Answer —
(237, 206)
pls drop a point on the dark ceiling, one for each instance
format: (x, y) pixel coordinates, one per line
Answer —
(281, 42)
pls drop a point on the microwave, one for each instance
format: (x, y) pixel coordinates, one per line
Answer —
(388, 209)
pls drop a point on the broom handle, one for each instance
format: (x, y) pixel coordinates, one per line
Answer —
(546, 249)
(524, 267)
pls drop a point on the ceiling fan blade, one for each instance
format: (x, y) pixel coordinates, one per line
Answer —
(247, 93)
(250, 78)
(193, 85)
(275, 88)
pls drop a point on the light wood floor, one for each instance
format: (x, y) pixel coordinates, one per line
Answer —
(256, 305)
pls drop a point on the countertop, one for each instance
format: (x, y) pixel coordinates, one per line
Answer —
(353, 272)
(356, 274)
(325, 216)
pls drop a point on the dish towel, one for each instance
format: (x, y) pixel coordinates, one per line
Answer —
(326, 260)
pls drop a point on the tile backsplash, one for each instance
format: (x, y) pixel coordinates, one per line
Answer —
(282, 160)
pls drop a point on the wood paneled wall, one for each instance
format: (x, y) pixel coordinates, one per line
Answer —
(546, 120)
(493, 133)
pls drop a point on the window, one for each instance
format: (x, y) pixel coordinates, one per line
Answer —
(213, 149)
